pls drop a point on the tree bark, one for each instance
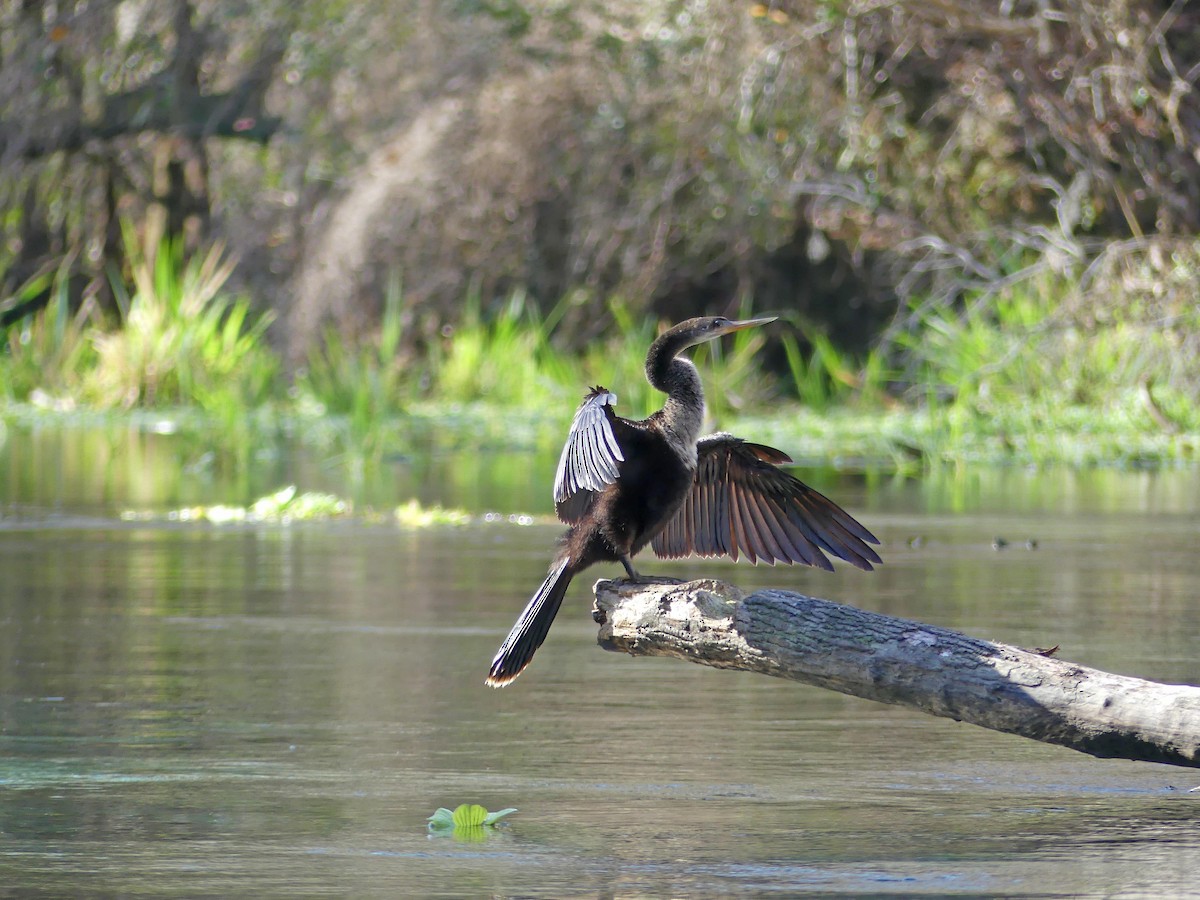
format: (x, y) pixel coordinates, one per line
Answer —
(891, 660)
(139, 112)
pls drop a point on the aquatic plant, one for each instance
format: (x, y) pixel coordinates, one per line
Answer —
(506, 359)
(288, 504)
(283, 506)
(1037, 368)
(1041, 345)
(183, 340)
(44, 356)
(367, 378)
(466, 816)
(830, 378)
(414, 515)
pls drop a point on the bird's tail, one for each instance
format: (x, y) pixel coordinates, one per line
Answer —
(531, 628)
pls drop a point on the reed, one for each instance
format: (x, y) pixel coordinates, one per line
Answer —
(1037, 372)
(1026, 347)
(506, 359)
(45, 356)
(361, 388)
(184, 339)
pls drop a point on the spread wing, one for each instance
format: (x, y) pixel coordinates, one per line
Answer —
(590, 456)
(741, 503)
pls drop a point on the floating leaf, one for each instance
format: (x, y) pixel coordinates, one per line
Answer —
(467, 819)
(470, 815)
(494, 817)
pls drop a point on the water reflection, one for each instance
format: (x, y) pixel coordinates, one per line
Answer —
(218, 711)
(158, 465)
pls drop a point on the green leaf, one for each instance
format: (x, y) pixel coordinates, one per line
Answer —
(494, 817)
(468, 817)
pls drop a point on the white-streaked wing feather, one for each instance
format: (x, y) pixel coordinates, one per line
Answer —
(591, 456)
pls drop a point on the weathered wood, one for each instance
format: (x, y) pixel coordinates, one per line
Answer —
(936, 670)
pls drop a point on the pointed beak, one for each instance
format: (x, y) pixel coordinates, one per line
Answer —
(747, 323)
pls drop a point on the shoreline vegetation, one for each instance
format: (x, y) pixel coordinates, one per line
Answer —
(1028, 375)
(979, 227)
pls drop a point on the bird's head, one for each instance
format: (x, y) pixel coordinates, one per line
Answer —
(708, 328)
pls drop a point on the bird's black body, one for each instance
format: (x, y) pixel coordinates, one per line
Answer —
(623, 484)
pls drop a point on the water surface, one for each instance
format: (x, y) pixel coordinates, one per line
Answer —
(274, 711)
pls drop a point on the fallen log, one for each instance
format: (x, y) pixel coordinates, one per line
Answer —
(892, 660)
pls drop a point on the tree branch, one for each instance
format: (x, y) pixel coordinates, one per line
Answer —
(151, 108)
(891, 660)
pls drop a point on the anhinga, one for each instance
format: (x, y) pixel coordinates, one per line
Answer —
(622, 484)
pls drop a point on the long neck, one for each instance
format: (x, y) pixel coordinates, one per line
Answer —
(683, 413)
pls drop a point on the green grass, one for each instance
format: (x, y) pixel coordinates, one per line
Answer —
(45, 356)
(185, 339)
(507, 360)
(359, 389)
(829, 379)
(1041, 372)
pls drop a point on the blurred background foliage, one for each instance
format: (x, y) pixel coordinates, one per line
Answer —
(947, 201)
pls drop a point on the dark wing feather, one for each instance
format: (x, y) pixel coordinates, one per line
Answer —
(590, 457)
(742, 504)
(671, 537)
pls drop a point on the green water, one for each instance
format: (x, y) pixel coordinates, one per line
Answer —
(274, 711)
